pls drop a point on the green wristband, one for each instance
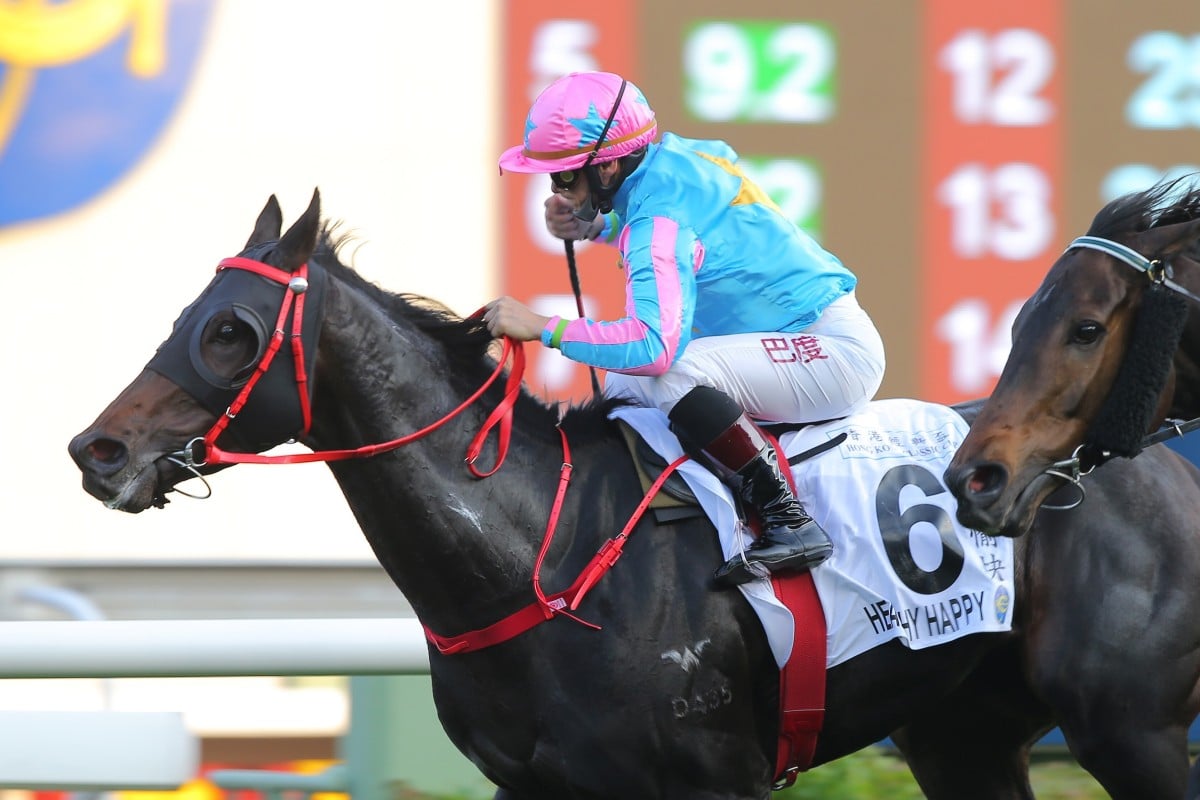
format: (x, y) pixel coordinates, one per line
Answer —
(556, 337)
(613, 223)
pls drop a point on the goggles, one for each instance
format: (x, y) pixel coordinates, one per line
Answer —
(566, 179)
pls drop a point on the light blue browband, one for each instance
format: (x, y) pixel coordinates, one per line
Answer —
(1157, 271)
(1115, 249)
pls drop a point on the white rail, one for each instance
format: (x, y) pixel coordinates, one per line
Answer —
(96, 751)
(211, 648)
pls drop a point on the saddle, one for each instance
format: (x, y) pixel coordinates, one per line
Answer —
(676, 501)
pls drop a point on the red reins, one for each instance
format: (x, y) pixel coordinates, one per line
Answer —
(544, 607)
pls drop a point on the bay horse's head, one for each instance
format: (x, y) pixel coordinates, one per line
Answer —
(1095, 362)
(143, 444)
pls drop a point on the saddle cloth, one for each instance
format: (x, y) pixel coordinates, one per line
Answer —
(902, 567)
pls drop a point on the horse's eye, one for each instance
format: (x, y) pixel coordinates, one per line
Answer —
(230, 346)
(1086, 332)
(229, 331)
(226, 333)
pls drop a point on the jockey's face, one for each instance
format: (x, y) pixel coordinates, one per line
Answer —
(574, 185)
(571, 184)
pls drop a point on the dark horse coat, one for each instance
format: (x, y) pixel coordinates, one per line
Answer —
(1104, 643)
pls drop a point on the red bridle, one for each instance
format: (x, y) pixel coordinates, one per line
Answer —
(296, 284)
(544, 606)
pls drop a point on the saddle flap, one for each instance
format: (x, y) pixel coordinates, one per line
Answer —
(675, 492)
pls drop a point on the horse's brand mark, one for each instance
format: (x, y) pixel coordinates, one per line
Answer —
(689, 658)
(702, 702)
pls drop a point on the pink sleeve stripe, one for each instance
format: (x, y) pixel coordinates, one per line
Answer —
(670, 293)
(646, 340)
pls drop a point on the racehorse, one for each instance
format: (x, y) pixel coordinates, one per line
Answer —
(676, 695)
(1105, 351)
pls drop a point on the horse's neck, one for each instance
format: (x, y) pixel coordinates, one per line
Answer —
(456, 546)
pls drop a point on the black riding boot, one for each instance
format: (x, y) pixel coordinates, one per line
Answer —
(737, 452)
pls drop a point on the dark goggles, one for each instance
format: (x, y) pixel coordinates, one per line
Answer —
(566, 179)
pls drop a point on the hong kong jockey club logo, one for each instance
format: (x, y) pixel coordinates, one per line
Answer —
(86, 86)
(1003, 603)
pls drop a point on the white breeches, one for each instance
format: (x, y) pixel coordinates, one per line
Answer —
(830, 369)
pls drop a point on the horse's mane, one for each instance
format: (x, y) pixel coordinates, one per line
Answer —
(466, 341)
(1166, 203)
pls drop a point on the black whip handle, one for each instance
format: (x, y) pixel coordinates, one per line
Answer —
(573, 272)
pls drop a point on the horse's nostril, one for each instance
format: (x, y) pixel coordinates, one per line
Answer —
(98, 453)
(977, 483)
(105, 450)
(986, 480)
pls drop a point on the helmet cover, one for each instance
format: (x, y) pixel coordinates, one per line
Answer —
(567, 118)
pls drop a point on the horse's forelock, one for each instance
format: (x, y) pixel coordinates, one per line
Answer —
(1162, 204)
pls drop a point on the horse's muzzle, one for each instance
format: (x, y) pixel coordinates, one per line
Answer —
(111, 477)
(977, 488)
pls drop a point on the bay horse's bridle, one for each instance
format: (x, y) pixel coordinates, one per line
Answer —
(1157, 272)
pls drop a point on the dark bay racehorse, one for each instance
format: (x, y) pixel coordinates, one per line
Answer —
(567, 711)
(1107, 347)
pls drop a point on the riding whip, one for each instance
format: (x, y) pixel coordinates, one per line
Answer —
(573, 272)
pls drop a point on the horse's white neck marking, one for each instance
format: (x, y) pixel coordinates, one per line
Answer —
(456, 505)
(690, 657)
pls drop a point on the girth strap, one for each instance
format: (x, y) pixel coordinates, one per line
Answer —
(802, 678)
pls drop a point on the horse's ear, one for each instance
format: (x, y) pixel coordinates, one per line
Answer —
(297, 245)
(1169, 240)
(268, 225)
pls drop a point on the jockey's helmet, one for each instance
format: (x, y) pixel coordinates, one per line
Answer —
(572, 115)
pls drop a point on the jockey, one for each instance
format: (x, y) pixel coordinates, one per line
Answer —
(732, 312)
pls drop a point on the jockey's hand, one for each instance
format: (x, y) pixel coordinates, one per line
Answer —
(562, 222)
(509, 317)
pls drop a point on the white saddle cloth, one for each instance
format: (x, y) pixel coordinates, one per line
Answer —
(902, 567)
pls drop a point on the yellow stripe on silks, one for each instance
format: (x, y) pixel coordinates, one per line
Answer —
(748, 192)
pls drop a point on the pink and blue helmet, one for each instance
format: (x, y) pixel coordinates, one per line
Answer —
(568, 117)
